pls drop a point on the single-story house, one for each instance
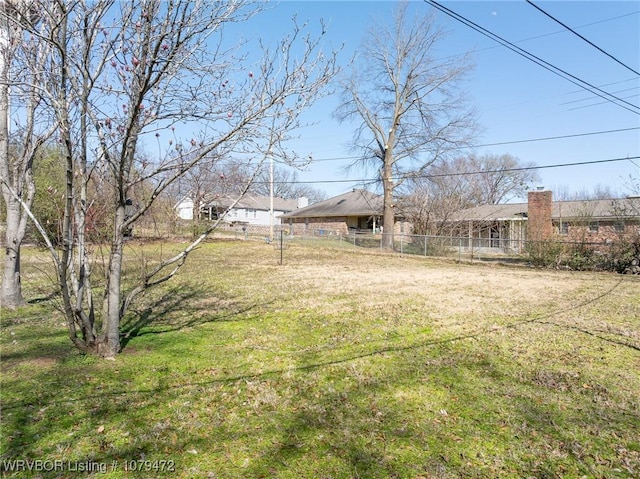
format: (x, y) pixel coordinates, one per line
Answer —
(507, 226)
(358, 210)
(249, 210)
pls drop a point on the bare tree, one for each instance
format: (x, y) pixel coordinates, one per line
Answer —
(500, 178)
(131, 73)
(429, 202)
(285, 185)
(633, 181)
(216, 179)
(18, 89)
(213, 178)
(408, 102)
(201, 180)
(447, 187)
(598, 192)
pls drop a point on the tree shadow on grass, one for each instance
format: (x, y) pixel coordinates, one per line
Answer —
(43, 299)
(349, 418)
(382, 426)
(168, 313)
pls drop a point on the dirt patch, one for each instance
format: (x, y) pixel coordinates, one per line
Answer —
(38, 363)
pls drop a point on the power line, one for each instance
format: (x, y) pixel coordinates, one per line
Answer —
(599, 103)
(589, 99)
(575, 135)
(513, 142)
(556, 33)
(468, 173)
(537, 60)
(581, 37)
(543, 35)
(541, 167)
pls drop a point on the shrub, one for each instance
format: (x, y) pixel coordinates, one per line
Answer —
(546, 253)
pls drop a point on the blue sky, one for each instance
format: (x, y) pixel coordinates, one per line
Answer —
(517, 99)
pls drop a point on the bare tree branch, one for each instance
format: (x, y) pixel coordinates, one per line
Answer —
(409, 105)
(124, 75)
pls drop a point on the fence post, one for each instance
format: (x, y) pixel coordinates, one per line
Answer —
(281, 247)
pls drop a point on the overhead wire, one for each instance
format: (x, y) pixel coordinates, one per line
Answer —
(582, 37)
(609, 97)
(512, 142)
(537, 60)
(598, 103)
(468, 173)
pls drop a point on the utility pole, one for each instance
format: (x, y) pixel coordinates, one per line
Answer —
(271, 235)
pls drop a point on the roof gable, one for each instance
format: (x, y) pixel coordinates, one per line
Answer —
(353, 203)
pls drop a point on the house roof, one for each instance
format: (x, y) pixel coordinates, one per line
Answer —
(353, 203)
(254, 202)
(596, 209)
(509, 211)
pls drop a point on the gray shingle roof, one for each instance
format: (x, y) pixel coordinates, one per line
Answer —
(354, 203)
(623, 207)
(596, 209)
(255, 202)
(492, 212)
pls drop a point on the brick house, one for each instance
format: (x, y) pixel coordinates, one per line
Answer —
(358, 210)
(507, 226)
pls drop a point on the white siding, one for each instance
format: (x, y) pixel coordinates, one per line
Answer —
(184, 209)
(253, 216)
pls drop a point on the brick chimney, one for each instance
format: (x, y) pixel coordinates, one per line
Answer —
(539, 210)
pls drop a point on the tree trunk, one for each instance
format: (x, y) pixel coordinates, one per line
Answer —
(388, 219)
(109, 340)
(11, 292)
(11, 283)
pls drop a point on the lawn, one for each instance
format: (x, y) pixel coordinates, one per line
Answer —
(338, 363)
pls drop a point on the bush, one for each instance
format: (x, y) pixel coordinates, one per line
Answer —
(545, 253)
(618, 256)
(624, 256)
(582, 257)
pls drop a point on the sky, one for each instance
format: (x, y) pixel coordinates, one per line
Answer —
(518, 101)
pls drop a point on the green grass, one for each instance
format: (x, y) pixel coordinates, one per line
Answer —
(336, 364)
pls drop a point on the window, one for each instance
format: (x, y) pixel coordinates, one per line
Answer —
(564, 228)
(593, 227)
(618, 226)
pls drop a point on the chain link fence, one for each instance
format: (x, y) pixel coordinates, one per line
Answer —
(622, 256)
